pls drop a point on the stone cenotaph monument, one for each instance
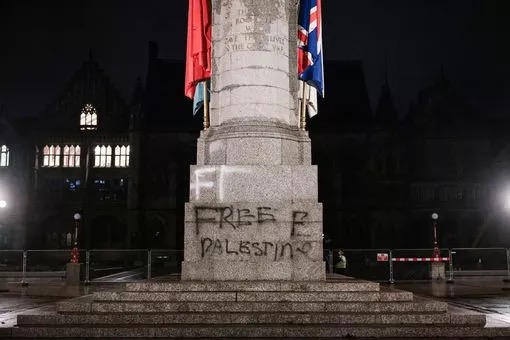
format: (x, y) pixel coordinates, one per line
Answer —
(253, 211)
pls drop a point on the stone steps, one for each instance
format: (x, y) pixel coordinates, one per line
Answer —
(249, 318)
(238, 307)
(250, 331)
(246, 296)
(347, 285)
(179, 309)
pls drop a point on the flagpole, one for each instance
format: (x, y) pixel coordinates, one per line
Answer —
(206, 105)
(302, 112)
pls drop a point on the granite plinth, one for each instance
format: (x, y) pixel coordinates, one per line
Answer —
(271, 184)
(249, 142)
(249, 240)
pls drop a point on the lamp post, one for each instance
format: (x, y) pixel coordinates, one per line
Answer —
(3, 204)
(435, 251)
(75, 253)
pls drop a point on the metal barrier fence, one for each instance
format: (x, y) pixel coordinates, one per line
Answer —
(98, 265)
(383, 265)
(391, 265)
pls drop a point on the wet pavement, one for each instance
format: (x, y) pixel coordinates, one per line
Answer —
(487, 295)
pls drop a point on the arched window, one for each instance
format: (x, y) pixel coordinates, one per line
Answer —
(4, 156)
(71, 157)
(103, 156)
(51, 156)
(88, 118)
(121, 156)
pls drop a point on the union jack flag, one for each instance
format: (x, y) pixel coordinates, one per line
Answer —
(310, 65)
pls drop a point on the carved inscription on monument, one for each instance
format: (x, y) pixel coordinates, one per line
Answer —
(251, 30)
(235, 221)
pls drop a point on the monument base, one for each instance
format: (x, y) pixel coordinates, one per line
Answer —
(253, 241)
(340, 308)
(243, 270)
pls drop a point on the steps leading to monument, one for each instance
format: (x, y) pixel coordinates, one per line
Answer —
(258, 331)
(347, 285)
(249, 318)
(253, 296)
(236, 307)
(253, 309)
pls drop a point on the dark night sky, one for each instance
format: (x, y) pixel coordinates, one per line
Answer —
(44, 42)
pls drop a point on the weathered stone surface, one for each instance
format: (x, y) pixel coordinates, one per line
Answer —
(262, 331)
(253, 157)
(252, 72)
(349, 285)
(284, 306)
(254, 309)
(253, 241)
(267, 184)
(252, 318)
(253, 296)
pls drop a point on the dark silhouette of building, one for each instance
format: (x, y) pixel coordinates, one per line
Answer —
(124, 165)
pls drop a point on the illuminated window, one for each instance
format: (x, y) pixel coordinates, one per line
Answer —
(71, 157)
(51, 156)
(88, 118)
(121, 156)
(103, 156)
(4, 155)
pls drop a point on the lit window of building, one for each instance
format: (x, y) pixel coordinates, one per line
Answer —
(71, 157)
(103, 156)
(121, 156)
(88, 118)
(4, 156)
(51, 156)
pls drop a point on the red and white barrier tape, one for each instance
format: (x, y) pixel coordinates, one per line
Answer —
(421, 259)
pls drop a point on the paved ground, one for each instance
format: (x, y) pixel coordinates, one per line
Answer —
(487, 295)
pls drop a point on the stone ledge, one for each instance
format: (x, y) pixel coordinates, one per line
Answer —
(296, 286)
(253, 296)
(243, 307)
(284, 331)
(252, 318)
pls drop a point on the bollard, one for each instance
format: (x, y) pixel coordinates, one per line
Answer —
(391, 281)
(507, 265)
(149, 263)
(450, 266)
(24, 274)
(87, 267)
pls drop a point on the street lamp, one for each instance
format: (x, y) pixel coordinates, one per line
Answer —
(3, 204)
(75, 254)
(436, 251)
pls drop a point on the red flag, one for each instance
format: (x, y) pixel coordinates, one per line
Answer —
(198, 51)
